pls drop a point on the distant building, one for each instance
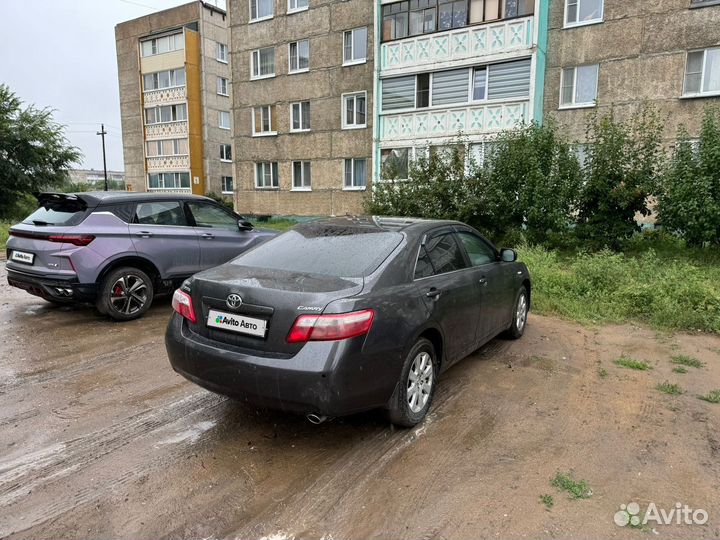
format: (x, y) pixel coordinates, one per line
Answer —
(175, 100)
(605, 53)
(116, 179)
(302, 105)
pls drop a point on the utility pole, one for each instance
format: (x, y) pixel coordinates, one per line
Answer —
(102, 133)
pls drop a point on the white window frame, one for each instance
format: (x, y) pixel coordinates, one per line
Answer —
(222, 148)
(352, 168)
(223, 58)
(264, 17)
(362, 60)
(343, 109)
(303, 187)
(273, 181)
(291, 9)
(292, 106)
(701, 93)
(272, 131)
(292, 71)
(253, 58)
(222, 185)
(175, 175)
(221, 116)
(575, 105)
(598, 20)
(223, 81)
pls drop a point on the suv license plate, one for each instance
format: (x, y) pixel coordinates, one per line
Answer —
(22, 257)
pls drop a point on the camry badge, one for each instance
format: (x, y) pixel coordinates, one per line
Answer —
(234, 301)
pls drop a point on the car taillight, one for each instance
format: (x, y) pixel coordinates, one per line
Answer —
(331, 327)
(182, 303)
(74, 239)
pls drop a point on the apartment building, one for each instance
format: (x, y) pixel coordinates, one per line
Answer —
(175, 100)
(605, 53)
(302, 105)
(455, 68)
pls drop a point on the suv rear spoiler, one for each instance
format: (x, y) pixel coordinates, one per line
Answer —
(82, 200)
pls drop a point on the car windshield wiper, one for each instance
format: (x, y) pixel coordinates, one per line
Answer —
(40, 222)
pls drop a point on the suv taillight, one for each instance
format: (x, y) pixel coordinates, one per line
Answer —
(331, 327)
(182, 303)
(74, 239)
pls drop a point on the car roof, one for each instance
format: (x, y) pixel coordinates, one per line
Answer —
(366, 224)
(93, 198)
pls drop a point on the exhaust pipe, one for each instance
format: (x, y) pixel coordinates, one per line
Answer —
(315, 418)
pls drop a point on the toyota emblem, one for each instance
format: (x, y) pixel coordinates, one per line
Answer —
(234, 301)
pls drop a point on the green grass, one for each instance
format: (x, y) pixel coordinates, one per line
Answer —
(547, 500)
(577, 489)
(712, 397)
(667, 288)
(680, 369)
(630, 363)
(4, 228)
(602, 372)
(277, 224)
(684, 360)
(668, 388)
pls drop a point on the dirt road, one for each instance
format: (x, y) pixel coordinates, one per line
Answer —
(100, 438)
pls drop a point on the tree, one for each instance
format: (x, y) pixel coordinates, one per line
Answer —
(34, 153)
(689, 197)
(623, 167)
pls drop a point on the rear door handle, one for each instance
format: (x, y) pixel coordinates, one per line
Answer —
(433, 293)
(144, 234)
(207, 235)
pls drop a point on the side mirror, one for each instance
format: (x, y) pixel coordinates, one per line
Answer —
(244, 225)
(508, 255)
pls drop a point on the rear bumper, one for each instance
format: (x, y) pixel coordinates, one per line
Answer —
(52, 286)
(330, 378)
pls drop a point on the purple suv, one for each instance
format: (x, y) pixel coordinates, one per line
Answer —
(119, 249)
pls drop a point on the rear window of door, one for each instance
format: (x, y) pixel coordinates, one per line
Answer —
(479, 252)
(439, 255)
(160, 213)
(209, 215)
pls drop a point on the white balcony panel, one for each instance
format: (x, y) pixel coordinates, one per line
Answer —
(470, 120)
(170, 130)
(168, 163)
(458, 44)
(165, 96)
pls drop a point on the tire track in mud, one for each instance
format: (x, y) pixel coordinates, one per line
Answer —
(342, 479)
(21, 476)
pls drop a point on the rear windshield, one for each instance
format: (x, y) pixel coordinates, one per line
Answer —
(62, 212)
(350, 256)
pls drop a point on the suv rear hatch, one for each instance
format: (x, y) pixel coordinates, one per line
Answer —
(297, 273)
(34, 243)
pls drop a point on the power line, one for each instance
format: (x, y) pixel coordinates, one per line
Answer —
(139, 4)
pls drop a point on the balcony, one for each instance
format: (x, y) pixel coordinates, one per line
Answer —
(165, 95)
(167, 130)
(168, 163)
(470, 120)
(428, 50)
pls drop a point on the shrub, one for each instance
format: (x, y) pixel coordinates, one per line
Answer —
(689, 198)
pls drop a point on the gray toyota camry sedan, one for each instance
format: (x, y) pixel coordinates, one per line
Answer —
(347, 314)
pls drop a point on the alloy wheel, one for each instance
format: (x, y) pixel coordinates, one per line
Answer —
(420, 381)
(128, 294)
(521, 313)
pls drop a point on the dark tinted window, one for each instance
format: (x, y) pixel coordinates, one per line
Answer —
(160, 213)
(59, 212)
(332, 253)
(479, 252)
(124, 211)
(443, 253)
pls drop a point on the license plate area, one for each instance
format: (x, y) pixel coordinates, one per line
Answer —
(22, 257)
(240, 324)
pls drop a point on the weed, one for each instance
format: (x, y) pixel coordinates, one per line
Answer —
(627, 362)
(547, 500)
(712, 397)
(684, 360)
(576, 489)
(680, 369)
(602, 372)
(668, 388)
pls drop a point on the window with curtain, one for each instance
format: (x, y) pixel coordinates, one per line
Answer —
(702, 72)
(264, 120)
(355, 45)
(263, 63)
(300, 116)
(578, 86)
(261, 9)
(354, 110)
(452, 14)
(266, 174)
(302, 179)
(299, 54)
(355, 173)
(579, 12)
(509, 80)
(449, 87)
(394, 163)
(398, 93)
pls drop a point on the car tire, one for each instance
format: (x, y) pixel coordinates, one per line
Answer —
(419, 368)
(520, 311)
(125, 294)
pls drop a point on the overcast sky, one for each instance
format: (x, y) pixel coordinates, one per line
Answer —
(61, 54)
